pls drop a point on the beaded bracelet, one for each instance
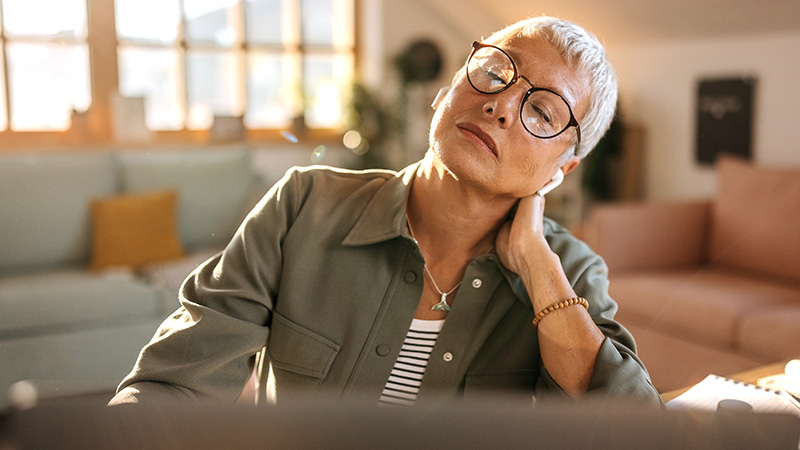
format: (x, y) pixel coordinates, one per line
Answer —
(559, 305)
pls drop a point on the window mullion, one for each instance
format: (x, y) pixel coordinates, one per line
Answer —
(244, 53)
(104, 83)
(6, 83)
(293, 47)
(183, 50)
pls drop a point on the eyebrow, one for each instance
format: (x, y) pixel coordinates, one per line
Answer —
(570, 99)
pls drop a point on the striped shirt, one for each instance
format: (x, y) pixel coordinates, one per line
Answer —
(403, 384)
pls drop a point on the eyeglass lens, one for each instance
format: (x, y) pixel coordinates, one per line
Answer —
(544, 113)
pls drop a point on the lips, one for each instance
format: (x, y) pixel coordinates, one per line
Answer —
(476, 131)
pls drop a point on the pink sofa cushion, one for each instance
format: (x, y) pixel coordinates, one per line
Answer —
(756, 218)
(675, 362)
(773, 332)
(642, 236)
(701, 304)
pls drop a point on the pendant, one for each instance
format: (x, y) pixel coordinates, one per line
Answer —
(442, 305)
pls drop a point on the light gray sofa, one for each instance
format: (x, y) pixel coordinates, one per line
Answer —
(69, 330)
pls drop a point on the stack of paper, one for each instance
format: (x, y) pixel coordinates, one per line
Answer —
(706, 394)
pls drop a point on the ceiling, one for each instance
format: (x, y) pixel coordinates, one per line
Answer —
(630, 21)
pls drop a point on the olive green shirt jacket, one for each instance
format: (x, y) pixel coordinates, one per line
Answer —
(318, 288)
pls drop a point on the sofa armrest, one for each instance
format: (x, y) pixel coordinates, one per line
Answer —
(635, 236)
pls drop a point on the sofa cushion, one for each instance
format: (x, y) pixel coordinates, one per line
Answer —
(213, 188)
(170, 275)
(71, 300)
(641, 236)
(81, 362)
(703, 304)
(756, 218)
(44, 207)
(674, 362)
(773, 332)
(134, 230)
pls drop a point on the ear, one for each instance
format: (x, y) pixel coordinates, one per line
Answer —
(439, 97)
(570, 165)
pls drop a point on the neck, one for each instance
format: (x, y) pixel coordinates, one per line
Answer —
(449, 218)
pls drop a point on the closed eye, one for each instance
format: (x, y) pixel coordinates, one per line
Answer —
(496, 79)
(541, 113)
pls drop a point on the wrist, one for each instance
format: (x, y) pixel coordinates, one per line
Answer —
(546, 282)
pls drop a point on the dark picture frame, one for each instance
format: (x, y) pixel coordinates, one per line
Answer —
(724, 118)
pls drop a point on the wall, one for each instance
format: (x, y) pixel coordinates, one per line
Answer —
(658, 82)
(388, 27)
(657, 87)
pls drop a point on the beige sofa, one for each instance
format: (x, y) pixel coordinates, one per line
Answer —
(708, 286)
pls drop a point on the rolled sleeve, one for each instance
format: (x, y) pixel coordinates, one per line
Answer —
(618, 372)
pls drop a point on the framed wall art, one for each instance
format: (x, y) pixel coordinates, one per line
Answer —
(724, 118)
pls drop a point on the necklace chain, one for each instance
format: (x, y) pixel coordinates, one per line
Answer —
(442, 305)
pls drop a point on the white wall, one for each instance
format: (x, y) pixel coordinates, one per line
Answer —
(658, 83)
(390, 26)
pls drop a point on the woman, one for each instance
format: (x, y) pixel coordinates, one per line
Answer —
(443, 280)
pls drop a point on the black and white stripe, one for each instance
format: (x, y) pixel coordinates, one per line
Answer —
(403, 384)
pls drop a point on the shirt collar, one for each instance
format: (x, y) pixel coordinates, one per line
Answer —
(384, 217)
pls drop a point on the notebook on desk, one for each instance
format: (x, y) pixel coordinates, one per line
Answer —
(707, 394)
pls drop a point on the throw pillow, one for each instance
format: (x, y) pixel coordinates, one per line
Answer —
(756, 218)
(134, 230)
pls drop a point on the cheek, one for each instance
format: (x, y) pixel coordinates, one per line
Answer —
(434, 134)
(529, 177)
(442, 123)
(524, 157)
(530, 169)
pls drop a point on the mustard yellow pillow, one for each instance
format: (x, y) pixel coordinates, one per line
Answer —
(134, 230)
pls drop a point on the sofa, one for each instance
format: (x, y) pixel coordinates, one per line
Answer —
(707, 286)
(93, 248)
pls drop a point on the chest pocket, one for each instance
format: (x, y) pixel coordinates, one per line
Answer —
(299, 357)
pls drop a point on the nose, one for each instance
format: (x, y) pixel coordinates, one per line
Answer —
(502, 107)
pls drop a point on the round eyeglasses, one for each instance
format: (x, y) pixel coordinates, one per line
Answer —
(544, 113)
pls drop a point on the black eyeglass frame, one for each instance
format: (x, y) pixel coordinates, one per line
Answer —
(573, 122)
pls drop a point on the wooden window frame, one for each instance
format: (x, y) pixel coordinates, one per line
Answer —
(93, 128)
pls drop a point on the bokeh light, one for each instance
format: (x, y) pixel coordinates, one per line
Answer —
(318, 154)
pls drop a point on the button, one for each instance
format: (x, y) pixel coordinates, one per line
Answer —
(476, 283)
(410, 277)
(382, 350)
(447, 357)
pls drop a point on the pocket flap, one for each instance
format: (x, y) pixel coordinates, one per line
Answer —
(297, 349)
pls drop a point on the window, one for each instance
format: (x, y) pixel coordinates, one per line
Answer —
(269, 61)
(45, 64)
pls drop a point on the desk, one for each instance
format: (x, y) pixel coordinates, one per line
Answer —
(747, 376)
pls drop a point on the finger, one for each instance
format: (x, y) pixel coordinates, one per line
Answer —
(531, 209)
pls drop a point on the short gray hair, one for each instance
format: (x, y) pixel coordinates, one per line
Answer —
(582, 48)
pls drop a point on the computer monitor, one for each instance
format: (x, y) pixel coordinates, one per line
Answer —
(77, 424)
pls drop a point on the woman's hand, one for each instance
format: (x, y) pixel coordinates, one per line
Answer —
(520, 241)
(568, 339)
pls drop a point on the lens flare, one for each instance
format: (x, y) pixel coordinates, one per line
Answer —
(290, 137)
(318, 154)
